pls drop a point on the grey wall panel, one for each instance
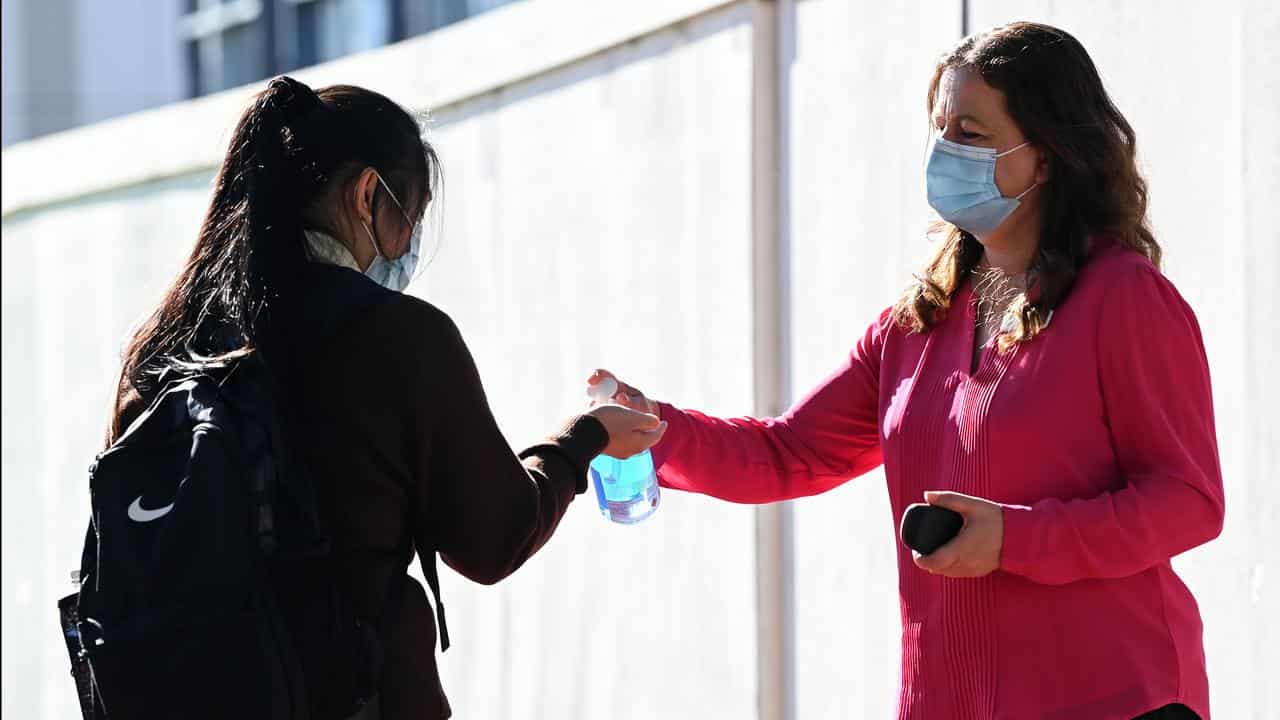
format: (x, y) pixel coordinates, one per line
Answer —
(1259, 120)
(598, 216)
(77, 277)
(858, 133)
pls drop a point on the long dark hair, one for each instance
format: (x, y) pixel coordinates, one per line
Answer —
(239, 287)
(1054, 94)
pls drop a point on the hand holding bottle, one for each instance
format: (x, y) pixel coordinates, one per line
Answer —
(630, 431)
(626, 484)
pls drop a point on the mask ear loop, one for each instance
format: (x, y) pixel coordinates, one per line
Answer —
(415, 243)
(1013, 149)
(416, 229)
(377, 251)
(1034, 185)
(1019, 196)
(415, 236)
(394, 199)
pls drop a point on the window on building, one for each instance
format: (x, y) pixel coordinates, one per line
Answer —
(235, 42)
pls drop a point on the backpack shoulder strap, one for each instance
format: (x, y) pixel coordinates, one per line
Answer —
(395, 592)
(433, 582)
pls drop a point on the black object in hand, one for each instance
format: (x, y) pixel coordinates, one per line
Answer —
(926, 528)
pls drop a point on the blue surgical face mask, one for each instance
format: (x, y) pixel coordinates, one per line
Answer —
(961, 182)
(395, 274)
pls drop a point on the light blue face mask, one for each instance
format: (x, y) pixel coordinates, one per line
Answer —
(395, 274)
(961, 182)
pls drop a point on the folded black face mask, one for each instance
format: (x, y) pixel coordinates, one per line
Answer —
(926, 528)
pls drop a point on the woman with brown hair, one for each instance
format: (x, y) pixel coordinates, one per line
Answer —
(1041, 378)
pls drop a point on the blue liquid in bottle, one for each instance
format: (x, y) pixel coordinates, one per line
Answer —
(627, 490)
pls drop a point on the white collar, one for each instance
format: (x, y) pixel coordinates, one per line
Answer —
(324, 248)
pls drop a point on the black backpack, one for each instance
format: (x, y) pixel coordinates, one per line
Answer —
(206, 590)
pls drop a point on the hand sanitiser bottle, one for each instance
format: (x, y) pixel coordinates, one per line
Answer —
(627, 490)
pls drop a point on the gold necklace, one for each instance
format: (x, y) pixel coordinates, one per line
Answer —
(994, 291)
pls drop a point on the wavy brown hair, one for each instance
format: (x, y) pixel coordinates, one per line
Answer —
(1053, 92)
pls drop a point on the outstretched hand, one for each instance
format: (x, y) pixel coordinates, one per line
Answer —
(625, 395)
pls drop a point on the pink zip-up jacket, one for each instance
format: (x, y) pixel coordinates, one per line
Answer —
(1097, 437)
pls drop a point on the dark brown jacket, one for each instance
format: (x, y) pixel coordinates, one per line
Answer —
(401, 433)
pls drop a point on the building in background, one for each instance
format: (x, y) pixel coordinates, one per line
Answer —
(68, 63)
(73, 62)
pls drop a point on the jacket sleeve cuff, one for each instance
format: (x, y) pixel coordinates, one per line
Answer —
(580, 440)
(673, 438)
(1018, 554)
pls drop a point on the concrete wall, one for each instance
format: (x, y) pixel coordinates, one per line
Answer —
(643, 267)
(857, 140)
(598, 211)
(75, 277)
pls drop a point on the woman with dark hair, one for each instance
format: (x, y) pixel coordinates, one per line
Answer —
(322, 192)
(1041, 378)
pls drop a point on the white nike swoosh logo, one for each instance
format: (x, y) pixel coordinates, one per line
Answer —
(138, 514)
